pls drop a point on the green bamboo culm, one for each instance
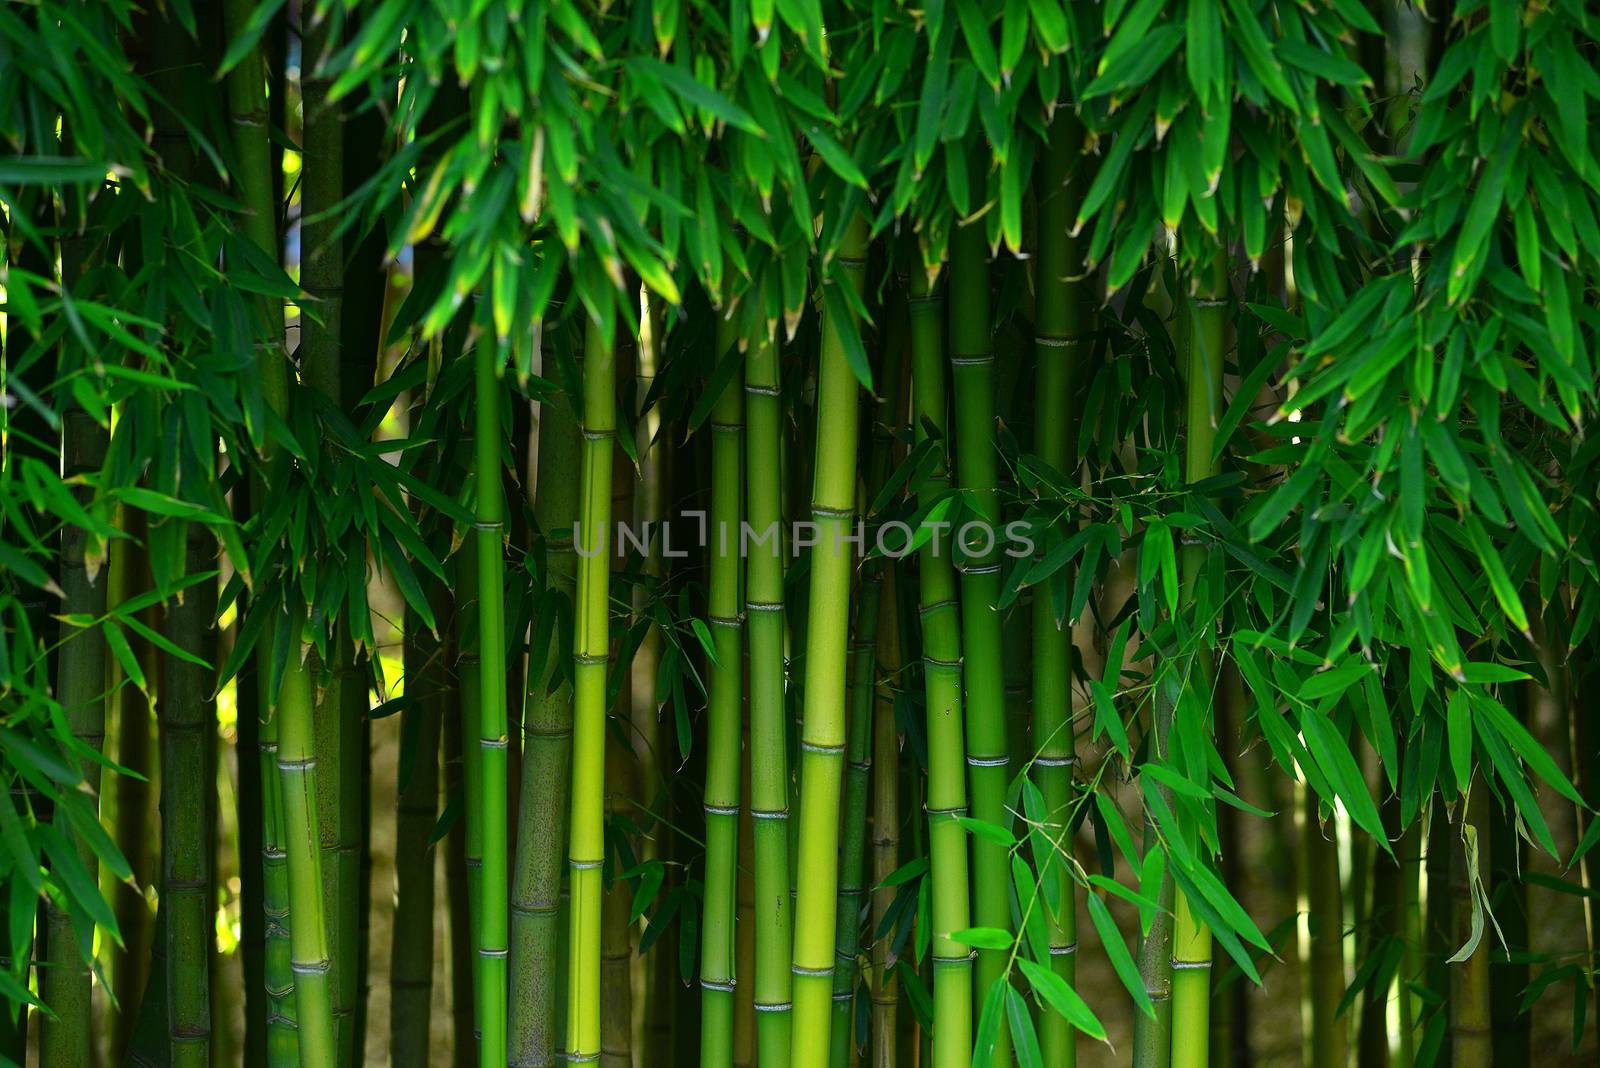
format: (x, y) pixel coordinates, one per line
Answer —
(1471, 1014)
(80, 674)
(591, 654)
(1206, 335)
(983, 669)
(188, 718)
(1325, 920)
(1061, 328)
(491, 921)
(769, 764)
(853, 848)
(863, 694)
(322, 273)
(416, 810)
(822, 739)
(724, 736)
(546, 763)
(247, 107)
(941, 671)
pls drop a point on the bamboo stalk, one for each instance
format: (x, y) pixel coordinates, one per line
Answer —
(492, 922)
(322, 272)
(744, 953)
(769, 764)
(858, 756)
(1511, 1027)
(546, 753)
(416, 809)
(469, 680)
(1061, 325)
(941, 669)
(1471, 1012)
(129, 708)
(1325, 917)
(1206, 329)
(885, 826)
(723, 735)
(80, 678)
(863, 688)
(977, 474)
(822, 744)
(591, 654)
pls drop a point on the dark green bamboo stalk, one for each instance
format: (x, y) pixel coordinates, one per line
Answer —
(1061, 325)
(591, 654)
(1383, 922)
(247, 105)
(1408, 850)
(858, 757)
(977, 473)
(129, 708)
(941, 669)
(188, 720)
(769, 765)
(416, 809)
(458, 908)
(862, 695)
(546, 755)
(1325, 917)
(80, 687)
(1508, 901)
(723, 734)
(885, 827)
(1471, 1013)
(822, 740)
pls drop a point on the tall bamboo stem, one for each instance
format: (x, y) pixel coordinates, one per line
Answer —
(546, 753)
(822, 743)
(416, 809)
(591, 649)
(492, 921)
(1206, 328)
(723, 734)
(80, 686)
(1471, 1013)
(769, 765)
(941, 670)
(977, 473)
(1325, 917)
(885, 826)
(1061, 324)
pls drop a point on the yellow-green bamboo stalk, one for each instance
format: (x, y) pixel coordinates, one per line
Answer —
(591, 649)
(723, 734)
(1206, 326)
(769, 764)
(822, 740)
(941, 668)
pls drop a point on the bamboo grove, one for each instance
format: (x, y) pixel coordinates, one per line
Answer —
(799, 532)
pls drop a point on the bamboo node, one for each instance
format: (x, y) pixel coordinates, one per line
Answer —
(973, 360)
(952, 813)
(770, 814)
(1055, 762)
(724, 985)
(814, 973)
(1190, 965)
(585, 865)
(1064, 951)
(720, 810)
(762, 391)
(315, 967)
(495, 953)
(987, 762)
(774, 1006)
(818, 747)
(1057, 342)
(728, 621)
(846, 995)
